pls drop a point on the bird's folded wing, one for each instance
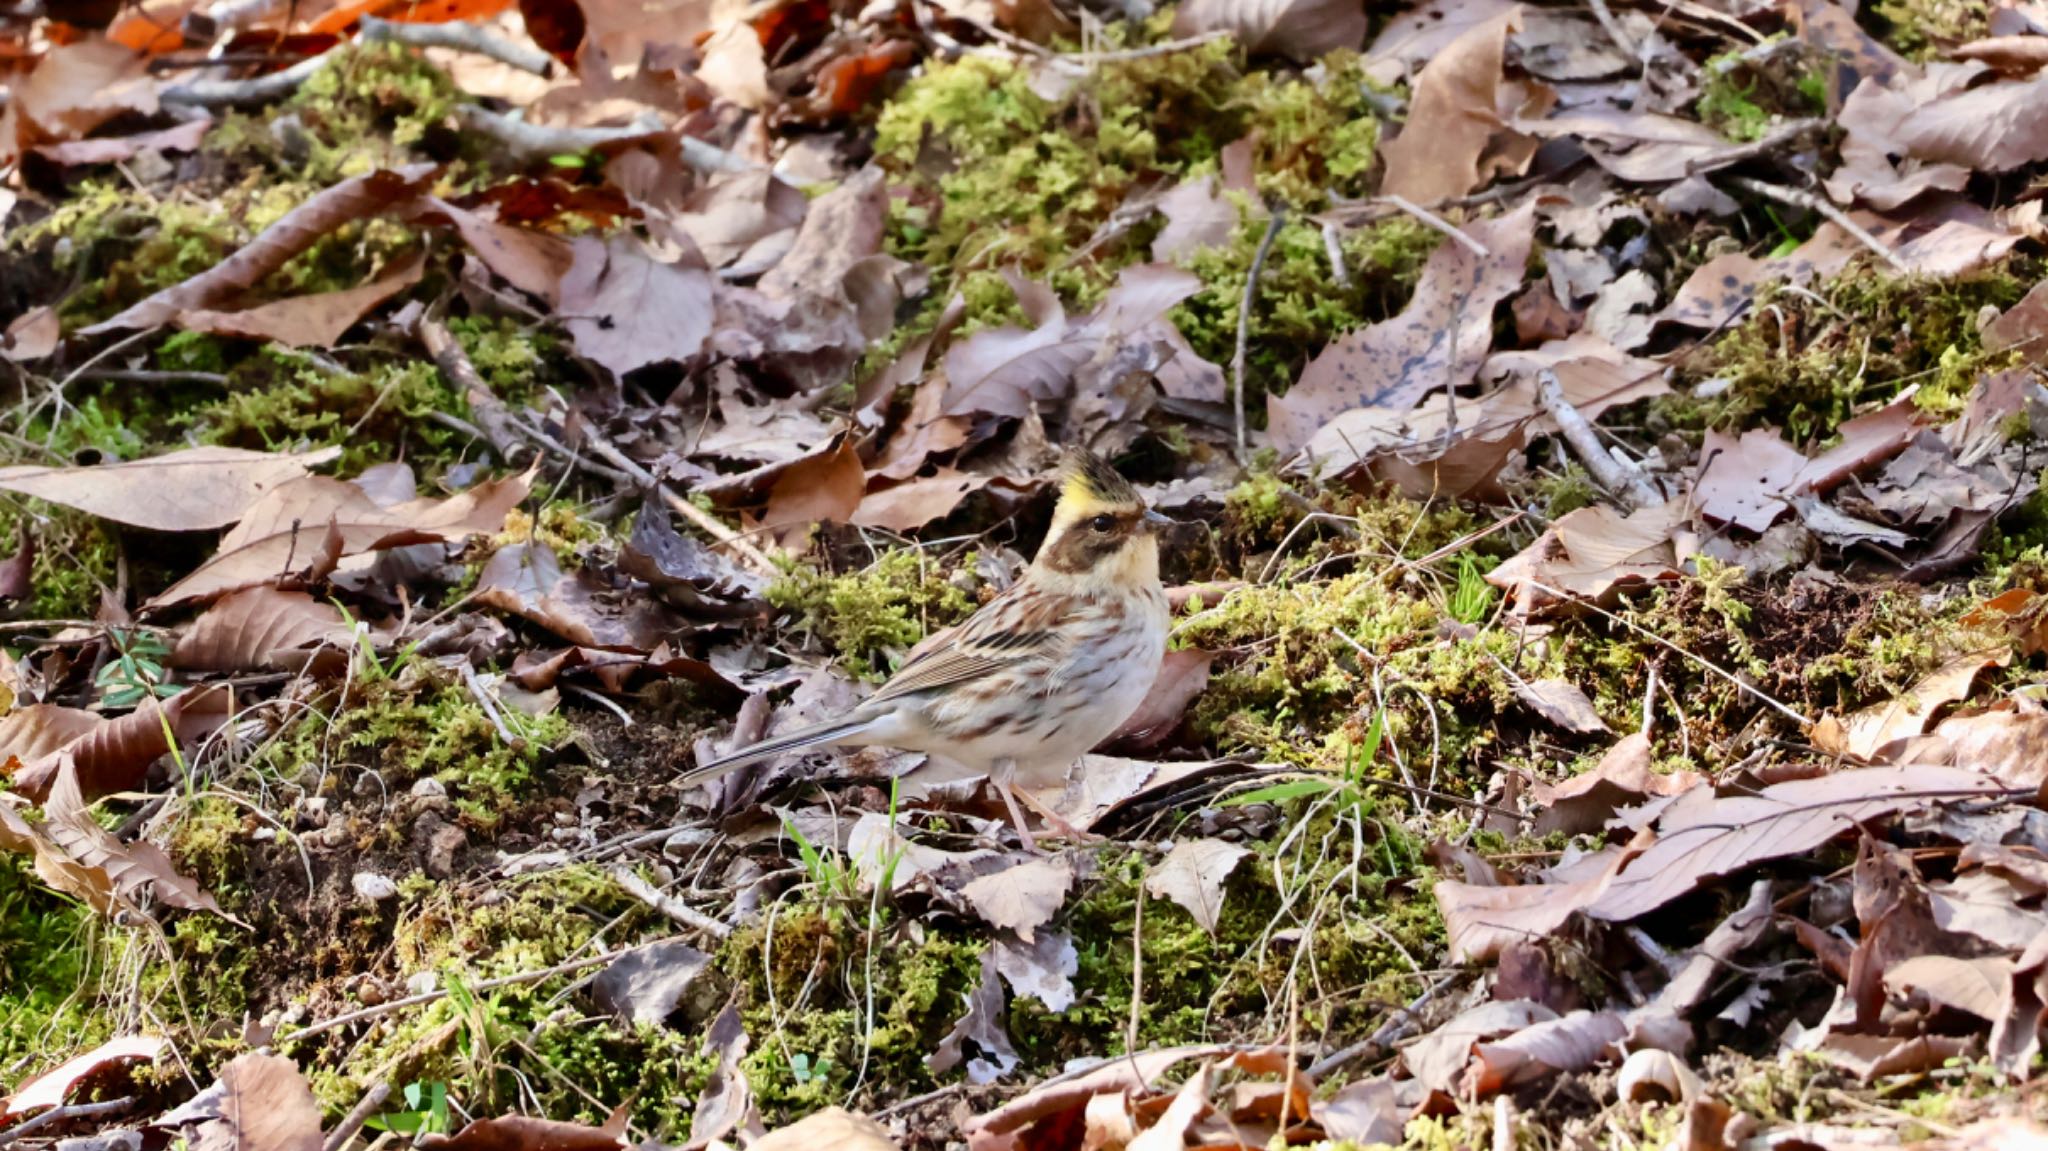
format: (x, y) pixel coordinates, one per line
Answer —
(1003, 635)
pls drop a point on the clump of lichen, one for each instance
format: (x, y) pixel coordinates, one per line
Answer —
(872, 616)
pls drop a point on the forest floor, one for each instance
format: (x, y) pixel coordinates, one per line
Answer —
(1605, 705)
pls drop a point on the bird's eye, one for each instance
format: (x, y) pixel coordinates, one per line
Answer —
(1103, 523)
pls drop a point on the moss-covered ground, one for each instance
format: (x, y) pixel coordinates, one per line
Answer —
(1369, 626)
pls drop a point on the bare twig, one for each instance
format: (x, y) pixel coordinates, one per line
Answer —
(1333, 247)
(357, 1116)
(61, 1114)
(493, 419)
(1812, 203)
(1612, 27)
(1624, 481)
(143, 376)
(1769, 145)
(668, 905)
(1439, 223)
(396, 1005)
(254, 90)
(537, 141)
(1244, 327)
(461, 36)
(683, 507)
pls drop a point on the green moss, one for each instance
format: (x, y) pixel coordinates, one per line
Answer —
(1807, 364)
(409, 729)
(372, 106)
(871, 616)
(53, 952)
(1742, 101)
(120, 245)
(1919, 28)
(288, 401)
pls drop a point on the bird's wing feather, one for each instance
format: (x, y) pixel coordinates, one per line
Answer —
(1013, 629)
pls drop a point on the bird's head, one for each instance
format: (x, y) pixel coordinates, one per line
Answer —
(1102, 532)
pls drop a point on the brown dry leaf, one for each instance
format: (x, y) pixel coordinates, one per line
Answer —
(2016, 56)
(1860, 734)
(1977, 986)
(265, 629)
(1569, 1043)
(1640, 147)
(1701, 836)
(1866, 440)
(1439, 340)
(1483, 920)
(1364, 1111)
(842, 228)
(982, 1025)
(727, 1102)
(533, 262)
(1941, 119)
(1725, 286)
(1439, 1058)
(1744, 481)
(52, 1088)
(1584, 803)
(1044, 969)
(198, 489)
(1562, 703)
(833, 1129)
(31, 732)
(1417, 35)
(115, 754)
(743, 219)
(31, 335)
(2024, 326)
(90, 886)
(826, 486)
(1055, 1101)
(1301, 30)
(1873, 1057)
(265, 1106)
(733, 66)
(317, 320)
(909, 506)
(1005, 371)
(1452, 119)
(185, 137)
(648, 983)
(1170, 1131)
(1022, 898)
(1590, 553)
(353, 199)
(314, 521)
(525, 1133)
(1193, 874)
(74, 89)
(626, 309)
(1660, 1023)
(1197, 215)
(527, 580)
(131, 868)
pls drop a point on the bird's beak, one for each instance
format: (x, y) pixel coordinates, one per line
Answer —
(1157, 522)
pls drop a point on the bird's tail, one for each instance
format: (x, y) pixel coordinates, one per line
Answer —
(817, 735)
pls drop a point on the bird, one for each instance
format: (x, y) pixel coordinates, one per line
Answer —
(1041, 673)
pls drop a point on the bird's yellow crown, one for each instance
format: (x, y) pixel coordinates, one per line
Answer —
(1090, 485)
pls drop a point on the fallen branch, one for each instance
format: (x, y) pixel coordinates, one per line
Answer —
(1793, 197)
(1756, 149)
(493, 418)
(1623, 480)
(1244, 327)
(667, 904)
(357, 1116)
(683, 507)
(60, 1114)
(1440, 224)
(461, 36)
(254, 90)
(538, 141)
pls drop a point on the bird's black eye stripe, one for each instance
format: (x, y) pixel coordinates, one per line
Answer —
(1103, 523)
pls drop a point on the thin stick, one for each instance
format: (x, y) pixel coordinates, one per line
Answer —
(683, 507)
(356, 1117)
(255, 90)
(492, 417)
(536, 141)
(1244, 327)
(668, 905)
(461, 37)
(1439, 223)
(1812, 203)
(383, 1009)
(1769, 145)
(1333, 247)
(1624, 481)
(60, 1114)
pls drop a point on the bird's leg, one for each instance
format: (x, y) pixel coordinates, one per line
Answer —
(1056, 822)
(999, 775)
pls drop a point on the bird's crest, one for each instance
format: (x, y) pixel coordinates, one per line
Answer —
(1089, 484)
